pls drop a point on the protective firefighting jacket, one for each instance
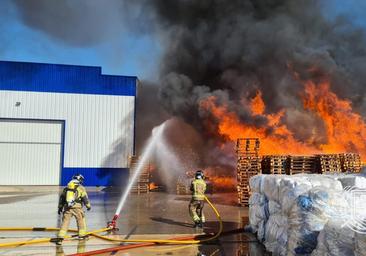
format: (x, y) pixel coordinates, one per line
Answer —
(74, 196)
(198, 188)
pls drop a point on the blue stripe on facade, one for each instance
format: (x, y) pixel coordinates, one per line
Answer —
(97, 176)
(39, 77)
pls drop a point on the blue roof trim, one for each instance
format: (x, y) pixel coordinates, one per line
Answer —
(40, 77)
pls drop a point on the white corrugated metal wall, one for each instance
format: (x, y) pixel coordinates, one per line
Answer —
(94, 123)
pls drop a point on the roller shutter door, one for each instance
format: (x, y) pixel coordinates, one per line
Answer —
(30, 152)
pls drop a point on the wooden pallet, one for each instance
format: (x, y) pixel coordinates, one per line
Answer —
(247, 146)
(350, 162)
(274, 164)
(143, 181)
(300, 164)
(182, 189)
(328, 163)
(248, 165)
(140, 189)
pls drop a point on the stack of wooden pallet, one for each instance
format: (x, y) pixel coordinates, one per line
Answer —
(183, 185)
(328, 163)
(300, 164)
(249, 164)
(274, 164)
(182, 189)
(141, 184)
(350, 162)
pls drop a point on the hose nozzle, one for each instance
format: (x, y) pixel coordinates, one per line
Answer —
(112, 224)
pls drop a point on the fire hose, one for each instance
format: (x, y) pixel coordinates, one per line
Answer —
(147, 242)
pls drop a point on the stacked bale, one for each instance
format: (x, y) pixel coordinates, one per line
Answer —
(304, 214)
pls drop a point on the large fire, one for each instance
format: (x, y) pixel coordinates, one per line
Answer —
(345, 130)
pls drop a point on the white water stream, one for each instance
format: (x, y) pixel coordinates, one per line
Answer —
(154, 140)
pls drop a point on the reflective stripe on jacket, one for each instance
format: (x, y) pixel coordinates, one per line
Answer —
(198, 188)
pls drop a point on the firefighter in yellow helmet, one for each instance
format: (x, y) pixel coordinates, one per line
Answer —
(71, 203)
(198, 188)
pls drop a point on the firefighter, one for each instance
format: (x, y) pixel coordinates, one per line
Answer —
(71, 203)
(198, 188)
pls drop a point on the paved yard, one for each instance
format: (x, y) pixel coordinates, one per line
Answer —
(148, 216)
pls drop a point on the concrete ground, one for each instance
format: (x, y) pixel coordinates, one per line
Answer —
(147, 216)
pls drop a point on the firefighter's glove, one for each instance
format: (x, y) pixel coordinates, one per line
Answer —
(88, 208)
(59, 211)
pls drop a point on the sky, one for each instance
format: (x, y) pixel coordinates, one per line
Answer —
(126, 53)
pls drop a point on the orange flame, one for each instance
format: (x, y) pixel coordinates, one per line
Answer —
(223, 183)
(153, 186)
(345, 129)
(257, 104)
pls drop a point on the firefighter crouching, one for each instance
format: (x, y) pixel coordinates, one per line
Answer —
(71, 203)
(198, 188)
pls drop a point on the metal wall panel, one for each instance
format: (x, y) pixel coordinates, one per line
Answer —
(30, 153)
(26, 131)
(42, 77)
(99, 129)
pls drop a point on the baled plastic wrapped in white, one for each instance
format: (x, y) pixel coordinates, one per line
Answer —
(289, 212)
(255, 183)
(340, 239)
(273, 208)
(325, 181)
(276, 234)
(270, 186)
(306, 219)
(258, 210)
(335, 239)
(261, 230)
(322, 247)
(360, 244)
(290, 190)
(352, 180)
(257, 198)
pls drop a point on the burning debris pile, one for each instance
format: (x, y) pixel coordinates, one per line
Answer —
(250, 163)
(275, 70)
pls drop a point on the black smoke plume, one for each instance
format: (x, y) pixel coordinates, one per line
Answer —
(226, 49)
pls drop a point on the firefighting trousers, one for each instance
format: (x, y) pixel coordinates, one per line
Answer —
(196, 210)
(79, 215)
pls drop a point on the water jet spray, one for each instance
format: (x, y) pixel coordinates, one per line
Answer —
(146, 154)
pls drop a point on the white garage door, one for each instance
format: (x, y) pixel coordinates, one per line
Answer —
(30, 152)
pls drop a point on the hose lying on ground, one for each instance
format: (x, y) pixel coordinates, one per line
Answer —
(178, 240)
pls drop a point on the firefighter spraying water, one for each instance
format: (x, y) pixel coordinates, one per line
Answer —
(71, 203)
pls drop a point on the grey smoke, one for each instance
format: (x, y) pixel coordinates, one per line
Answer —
(82, 22)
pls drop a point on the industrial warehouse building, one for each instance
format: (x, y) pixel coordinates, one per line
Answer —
(58, 120)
